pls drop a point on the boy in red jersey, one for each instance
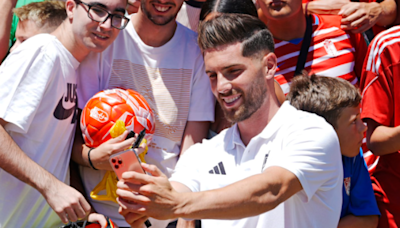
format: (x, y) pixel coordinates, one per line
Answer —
(331, 52)
(380, 82)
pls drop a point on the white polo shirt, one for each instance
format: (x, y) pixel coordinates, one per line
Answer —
(301, 142)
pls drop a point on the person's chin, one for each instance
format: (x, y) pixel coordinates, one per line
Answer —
(97, 48)
(281, 14)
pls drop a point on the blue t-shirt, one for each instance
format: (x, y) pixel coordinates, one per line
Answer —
(358, 196)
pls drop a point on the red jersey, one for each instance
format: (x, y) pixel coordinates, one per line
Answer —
(333, 52)
(380, 86)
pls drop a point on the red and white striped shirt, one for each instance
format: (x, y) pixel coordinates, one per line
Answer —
(333, 52)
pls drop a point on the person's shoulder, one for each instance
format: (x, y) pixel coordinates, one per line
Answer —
(385, 40)
(303, 118)
(189, 36)
(386, 46)
(212, 146)
(41, 47)
(39, 41)
(186, 31)
(296, 122)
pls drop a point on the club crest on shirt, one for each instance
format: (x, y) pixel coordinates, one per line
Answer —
(330, 48)
(347, 183)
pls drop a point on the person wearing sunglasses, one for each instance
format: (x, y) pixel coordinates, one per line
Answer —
(38, 105)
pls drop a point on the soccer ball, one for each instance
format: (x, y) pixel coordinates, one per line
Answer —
(106, 107)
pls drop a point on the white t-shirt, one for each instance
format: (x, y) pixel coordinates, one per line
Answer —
(300, 142)
(38, 100)
(173, 81)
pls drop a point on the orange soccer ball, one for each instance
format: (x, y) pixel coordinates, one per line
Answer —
(106, 107)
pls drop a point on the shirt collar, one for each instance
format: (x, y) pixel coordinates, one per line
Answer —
(233, 138)
(283, 114)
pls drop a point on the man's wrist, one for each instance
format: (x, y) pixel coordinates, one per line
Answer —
(186, 204)
(45, 184)
(181, 209)
(387, 14)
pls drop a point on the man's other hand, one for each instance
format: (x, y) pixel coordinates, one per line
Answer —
(360, 16)
(143, 194)
(67, 202)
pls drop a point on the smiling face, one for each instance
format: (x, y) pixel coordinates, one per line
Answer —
(237, 82)
(92, 35)
(161, 12)
(350, 130)
(279, 9)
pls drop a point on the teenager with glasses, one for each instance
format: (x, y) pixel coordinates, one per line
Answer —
(160, 59)
(38, 103)
(98, 12)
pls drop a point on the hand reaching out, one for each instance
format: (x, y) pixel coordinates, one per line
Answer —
(359, 16)
(67, 202)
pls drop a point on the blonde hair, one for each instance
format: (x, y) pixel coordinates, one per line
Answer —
(48, 13)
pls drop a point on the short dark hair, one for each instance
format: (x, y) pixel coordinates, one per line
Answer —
(228, 6)
(229, 28)
(324, 96)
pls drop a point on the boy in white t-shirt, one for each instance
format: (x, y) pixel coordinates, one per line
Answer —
(38, 115)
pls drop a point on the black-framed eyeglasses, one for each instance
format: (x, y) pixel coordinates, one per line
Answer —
(99, 14)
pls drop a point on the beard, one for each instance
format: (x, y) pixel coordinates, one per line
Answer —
(252, 101)
(157, 20)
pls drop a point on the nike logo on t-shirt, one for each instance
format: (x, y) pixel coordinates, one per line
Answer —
(62, 113)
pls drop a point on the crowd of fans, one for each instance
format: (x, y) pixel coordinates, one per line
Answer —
(268, 113)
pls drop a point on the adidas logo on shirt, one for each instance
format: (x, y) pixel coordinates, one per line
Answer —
(218, 169)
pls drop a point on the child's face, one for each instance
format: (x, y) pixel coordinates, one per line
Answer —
(25, 29)
(350, 130)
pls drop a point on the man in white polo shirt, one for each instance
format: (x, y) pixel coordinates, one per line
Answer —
(276, 167)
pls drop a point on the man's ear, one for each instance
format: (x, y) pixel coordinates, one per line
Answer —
(269, 64)
(70, 6)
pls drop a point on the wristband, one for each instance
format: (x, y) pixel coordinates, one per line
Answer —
(90, 162)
